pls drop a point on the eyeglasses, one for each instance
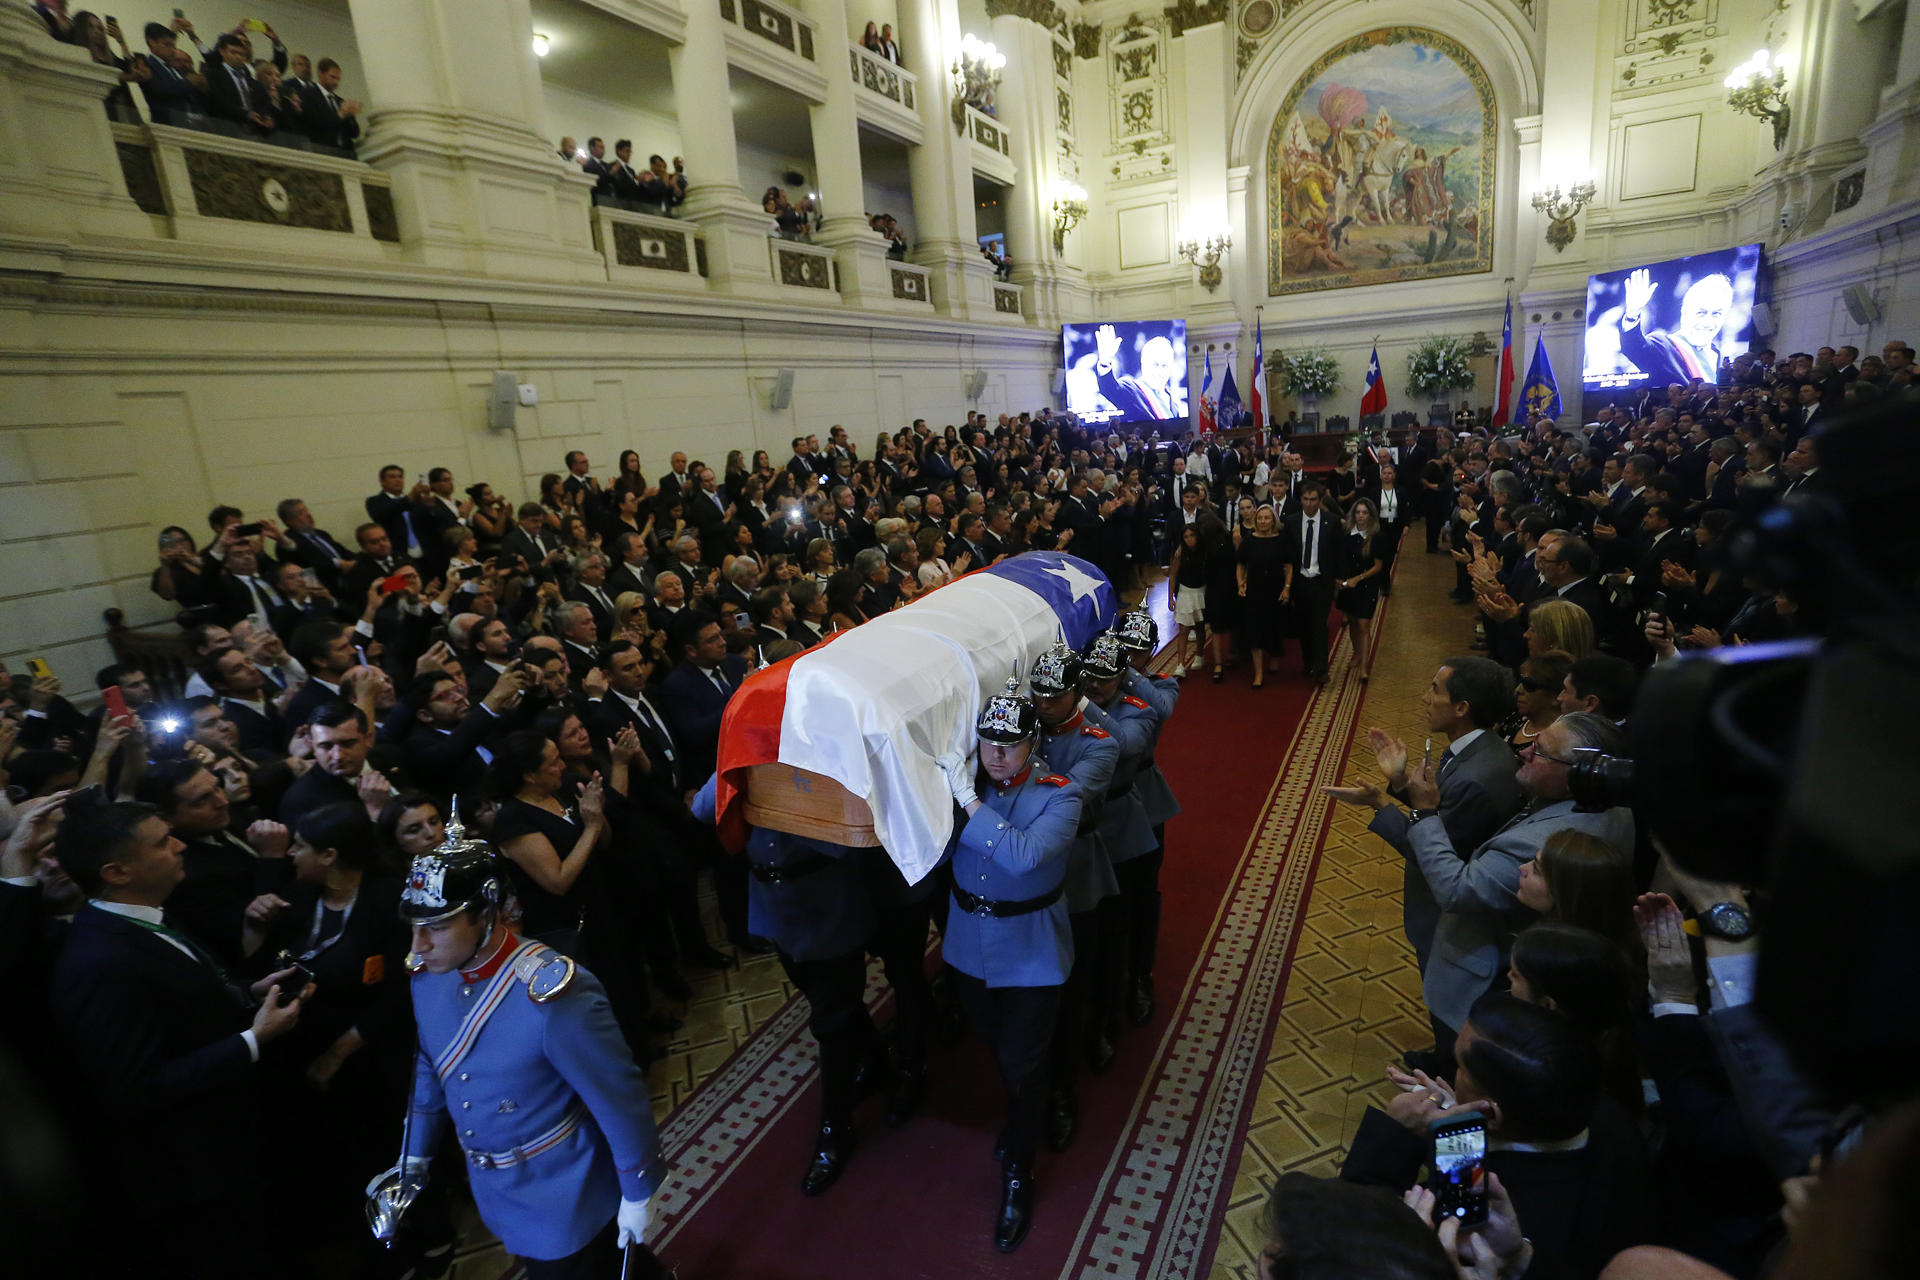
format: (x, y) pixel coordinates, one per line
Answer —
(1532, 751)
(1529, 683)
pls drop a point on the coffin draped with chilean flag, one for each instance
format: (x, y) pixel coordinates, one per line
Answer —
(873, 708)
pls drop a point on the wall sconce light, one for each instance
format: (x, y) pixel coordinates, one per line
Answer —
(1561, 208)
(1206, 255)
(1069, 207)
(540, 45)
(1758, 88)
(976, 74)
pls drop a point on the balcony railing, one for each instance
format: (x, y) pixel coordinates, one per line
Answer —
(777, 43)
(218, 189)
(1006, 299)
(992, 149)
(652, 251)
(912, 284)
(887, 95)
(799, 265)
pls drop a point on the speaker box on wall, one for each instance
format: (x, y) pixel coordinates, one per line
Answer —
(976, 384)
(1860, 304)
(783, 389)
(502, 401)
(1059, 381)
(1762, 320)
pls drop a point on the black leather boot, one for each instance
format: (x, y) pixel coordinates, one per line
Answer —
(1101, 1053)
(1063, 1120)
(874, 1075)
(1140, 1007)
(908, 1089)
(832, 1147)
(1016, 1205)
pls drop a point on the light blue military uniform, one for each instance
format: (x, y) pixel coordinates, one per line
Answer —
(1089, 755)
(554, 1118)
(821, 911)
(1162, 693)
(1016, 847)
(1124, 830)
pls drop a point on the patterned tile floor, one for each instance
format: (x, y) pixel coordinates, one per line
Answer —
(1352, 1003)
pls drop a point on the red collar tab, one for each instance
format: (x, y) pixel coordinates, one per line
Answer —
(1141, 703)
(1015, 780)
(492, 966)
(1070, 725)
(1055, 780)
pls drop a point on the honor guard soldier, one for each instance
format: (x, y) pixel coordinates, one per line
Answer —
(1089, 755)
(810, 899)
(1008, 939)
(1140, 886)
(1124, 830)
(519, 1048)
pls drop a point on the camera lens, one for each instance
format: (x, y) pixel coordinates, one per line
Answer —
(1598, 781)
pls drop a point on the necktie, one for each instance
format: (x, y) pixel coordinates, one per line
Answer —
(413, 539)
(720, 681)
(601, 596)
(1312, 533)
(264, 601)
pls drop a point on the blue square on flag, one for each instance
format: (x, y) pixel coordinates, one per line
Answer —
(1079, 594)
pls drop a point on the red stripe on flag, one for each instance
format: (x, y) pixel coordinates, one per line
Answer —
(750, 735)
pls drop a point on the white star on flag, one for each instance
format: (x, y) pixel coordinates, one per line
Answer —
(1081, 584)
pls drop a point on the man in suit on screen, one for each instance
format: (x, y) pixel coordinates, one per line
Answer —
(1689, 350)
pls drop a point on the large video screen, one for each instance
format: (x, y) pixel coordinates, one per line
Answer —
(1670, 321)
(1127, 371)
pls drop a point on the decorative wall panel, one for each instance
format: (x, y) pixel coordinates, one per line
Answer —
(256, 191)
(642, 247)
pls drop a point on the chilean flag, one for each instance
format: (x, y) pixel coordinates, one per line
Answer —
(1506, 368)
(1206, 396)
(1257, 381)
(1375, 399)
(873, 708)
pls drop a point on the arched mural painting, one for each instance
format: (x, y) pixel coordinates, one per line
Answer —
(1380, 166)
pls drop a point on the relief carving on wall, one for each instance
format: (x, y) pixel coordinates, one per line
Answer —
(643, 247)
(255, 191)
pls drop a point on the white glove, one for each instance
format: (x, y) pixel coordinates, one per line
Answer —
(959, 779)
(414, 1167)
(632, 1221)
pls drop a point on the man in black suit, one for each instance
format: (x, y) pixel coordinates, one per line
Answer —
(669, 599)
(1572, 1161)
(242, 588)
(800, 466)
(230, 81)
(579, 638)
(170, 92)
(675, 481)
(590, 589)
(1316, 559)
(325, 649)
(1566, 569)
(1285, 484)
(630, 571)
(1659, 541)
(773, 617)
(246, 699)
(164, 1050)
(435, 512)
(705, 507)
(488, 654)
(696, 692)
(312, 547)
(531, 542)
(445, 743)
(331, 120)
(393, 510)
(341, 740)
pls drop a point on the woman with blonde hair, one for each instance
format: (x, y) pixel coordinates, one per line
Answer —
(1559, 624)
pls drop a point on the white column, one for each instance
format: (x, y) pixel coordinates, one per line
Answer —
(1025, 104)
(1202, 129)
(737, 227)
(456, 93)
(1566, 153)
(865, 278)
(1909, 69)
(1841, 95)
(941, 167)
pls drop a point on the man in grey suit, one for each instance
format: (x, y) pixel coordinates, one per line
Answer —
(1478, 787)
(1479, 901)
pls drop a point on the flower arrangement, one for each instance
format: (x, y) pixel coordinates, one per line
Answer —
(1439, 365)
(1309, 372)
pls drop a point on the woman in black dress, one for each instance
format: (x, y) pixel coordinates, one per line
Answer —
(548, 841)
(1395, 507)
(1261, 575)
(1359, 591)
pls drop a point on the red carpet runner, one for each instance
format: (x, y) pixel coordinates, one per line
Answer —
(1141, 1192)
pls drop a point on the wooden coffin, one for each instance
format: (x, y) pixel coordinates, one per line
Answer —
(803, 803)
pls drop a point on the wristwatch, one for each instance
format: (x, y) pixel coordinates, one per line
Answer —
(1727, 920)
(1419, 815)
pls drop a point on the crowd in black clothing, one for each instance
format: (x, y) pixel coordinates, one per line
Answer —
(557, 670)
(287, 100)
(621, 183)
(1591, 997)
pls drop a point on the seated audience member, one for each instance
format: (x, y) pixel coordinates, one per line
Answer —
(1478, 787)
(164, 1050)
(1602, 684)
(1478, 893)
(331, 120)
(1575, 1168)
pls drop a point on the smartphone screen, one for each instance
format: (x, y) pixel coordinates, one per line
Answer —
(115, 702)
(39, 668)
(1459, 1168)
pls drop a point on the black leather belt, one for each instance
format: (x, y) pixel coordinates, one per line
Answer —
(977, 906)
(792, 870)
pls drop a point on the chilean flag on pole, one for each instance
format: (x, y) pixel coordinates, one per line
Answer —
(873, 708)
(1375, 400)
(1206, 396)
(1506, 368)
(1257, 381)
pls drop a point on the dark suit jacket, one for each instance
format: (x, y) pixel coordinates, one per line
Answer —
(311, 695)
(227, 97)
(169, 93)
(1579, 1208)
(389, 511)
(155, 1038)
(447, 764)
(258, 732)
(325, 124)
(223, 876)
(694, 705)
(517, 543)
(660, 789)
(623, 579)
(314, 788)
(602, 616)
(1333, 548)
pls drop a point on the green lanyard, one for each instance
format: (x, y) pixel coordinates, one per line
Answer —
(199, 952)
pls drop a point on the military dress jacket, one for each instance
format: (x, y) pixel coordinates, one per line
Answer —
(1088, 754)
(1015, 848)
(554, 1118)
(1162, 693)
(1124, 829)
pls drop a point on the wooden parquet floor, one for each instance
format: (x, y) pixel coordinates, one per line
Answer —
(1352, 1003)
